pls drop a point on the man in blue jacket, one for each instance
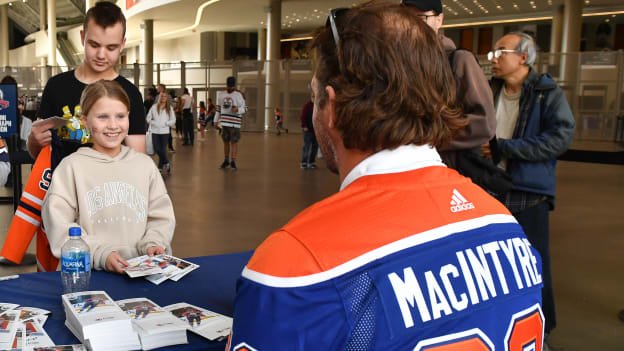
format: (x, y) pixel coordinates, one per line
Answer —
(534, 125)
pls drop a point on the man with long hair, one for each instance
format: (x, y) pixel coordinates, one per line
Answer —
(408, 255)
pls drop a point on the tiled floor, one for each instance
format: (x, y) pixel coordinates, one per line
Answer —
(221, 211)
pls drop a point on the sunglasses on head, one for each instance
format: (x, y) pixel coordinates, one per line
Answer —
(334, 16)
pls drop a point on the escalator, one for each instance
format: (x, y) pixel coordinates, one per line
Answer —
(67, 50)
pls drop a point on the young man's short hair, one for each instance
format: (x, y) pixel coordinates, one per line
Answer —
(105, 14)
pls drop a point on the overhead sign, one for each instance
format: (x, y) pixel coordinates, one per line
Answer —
(8, 110)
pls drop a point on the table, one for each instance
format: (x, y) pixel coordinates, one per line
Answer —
(211, 286)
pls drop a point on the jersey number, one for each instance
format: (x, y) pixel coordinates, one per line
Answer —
(525, 332)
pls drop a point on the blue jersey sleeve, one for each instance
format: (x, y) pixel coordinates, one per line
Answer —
(284, 318)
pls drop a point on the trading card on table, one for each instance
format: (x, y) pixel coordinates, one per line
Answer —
(140, 308)
(27, 313)
(145, 265)
(62, 348)
(185, 267)
(203, 322)
(7, 307)
(90, 301)
(9, 323)
(33, 335)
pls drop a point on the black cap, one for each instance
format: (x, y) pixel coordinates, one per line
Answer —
(425, 5)
(231, 82)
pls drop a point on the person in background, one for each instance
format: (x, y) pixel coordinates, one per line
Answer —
(149, 101)
(473, 91)
(231, 107)
(160, 118)
(279, 121)
(119, 229)
(534, 125)
(202, 118)
(310, 145)
(188, 105)
(212, 108)
(177, 107)
(408, 254)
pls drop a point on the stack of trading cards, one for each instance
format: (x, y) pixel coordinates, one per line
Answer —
(156, 327)
(95, 319)
(208, 324)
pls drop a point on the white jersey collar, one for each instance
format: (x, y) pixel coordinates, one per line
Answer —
(402, 159)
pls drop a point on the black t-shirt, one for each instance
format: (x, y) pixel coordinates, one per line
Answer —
(65, 89)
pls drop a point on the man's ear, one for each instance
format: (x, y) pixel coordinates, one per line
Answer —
(523, 58)
(82, 37)
(331, 105)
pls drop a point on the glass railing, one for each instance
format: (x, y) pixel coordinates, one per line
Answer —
(592, 82)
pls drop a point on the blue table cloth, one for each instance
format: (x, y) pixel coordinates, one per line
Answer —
(211, 286)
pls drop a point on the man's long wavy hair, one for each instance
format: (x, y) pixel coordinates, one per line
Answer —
(394, 85)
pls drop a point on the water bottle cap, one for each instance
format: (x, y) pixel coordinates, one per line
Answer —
(74, 231)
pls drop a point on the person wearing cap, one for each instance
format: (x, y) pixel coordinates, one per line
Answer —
(473, 90)
(231, 107)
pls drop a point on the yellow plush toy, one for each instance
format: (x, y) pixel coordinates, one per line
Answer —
(74, 129)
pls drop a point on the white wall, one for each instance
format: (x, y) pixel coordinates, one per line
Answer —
(24, 56)
(178, 49)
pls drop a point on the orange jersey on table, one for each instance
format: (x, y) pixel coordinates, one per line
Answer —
(27, 219)
(409, 255)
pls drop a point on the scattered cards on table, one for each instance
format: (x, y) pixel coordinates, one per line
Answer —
(21, 328)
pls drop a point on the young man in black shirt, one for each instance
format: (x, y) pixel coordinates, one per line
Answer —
(103, 36)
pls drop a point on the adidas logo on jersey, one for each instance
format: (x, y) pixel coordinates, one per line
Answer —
(459, 203)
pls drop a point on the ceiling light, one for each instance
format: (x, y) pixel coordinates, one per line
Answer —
(607, 20)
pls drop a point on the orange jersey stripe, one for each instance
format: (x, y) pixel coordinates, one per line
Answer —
(373, 211)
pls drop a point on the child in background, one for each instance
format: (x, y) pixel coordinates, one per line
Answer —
(279, 121)
(115, 194)
(202, 117)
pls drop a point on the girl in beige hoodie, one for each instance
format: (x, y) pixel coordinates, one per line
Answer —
(115, 194)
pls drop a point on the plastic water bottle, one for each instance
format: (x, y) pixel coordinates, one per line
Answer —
(75, 263)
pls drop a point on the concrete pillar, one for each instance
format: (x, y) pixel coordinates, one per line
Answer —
(51, 10)
(571, 43)
(262, 44)
(220, 45)
(274, 26)
(4, 35)
(556, 34)
(498, 30)
(475, 40)
(147, 52)
(89, 4)
(182, 74)
(42, 28)
(572, 24)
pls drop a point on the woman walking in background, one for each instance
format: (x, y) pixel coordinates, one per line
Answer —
(202, 118)
(160, 118)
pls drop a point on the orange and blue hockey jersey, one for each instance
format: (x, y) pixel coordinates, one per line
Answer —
(409, 255)
(27, 219)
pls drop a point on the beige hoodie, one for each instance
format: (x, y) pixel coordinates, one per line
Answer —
(120, 203)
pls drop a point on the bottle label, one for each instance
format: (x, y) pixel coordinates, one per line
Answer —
(76, 262)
